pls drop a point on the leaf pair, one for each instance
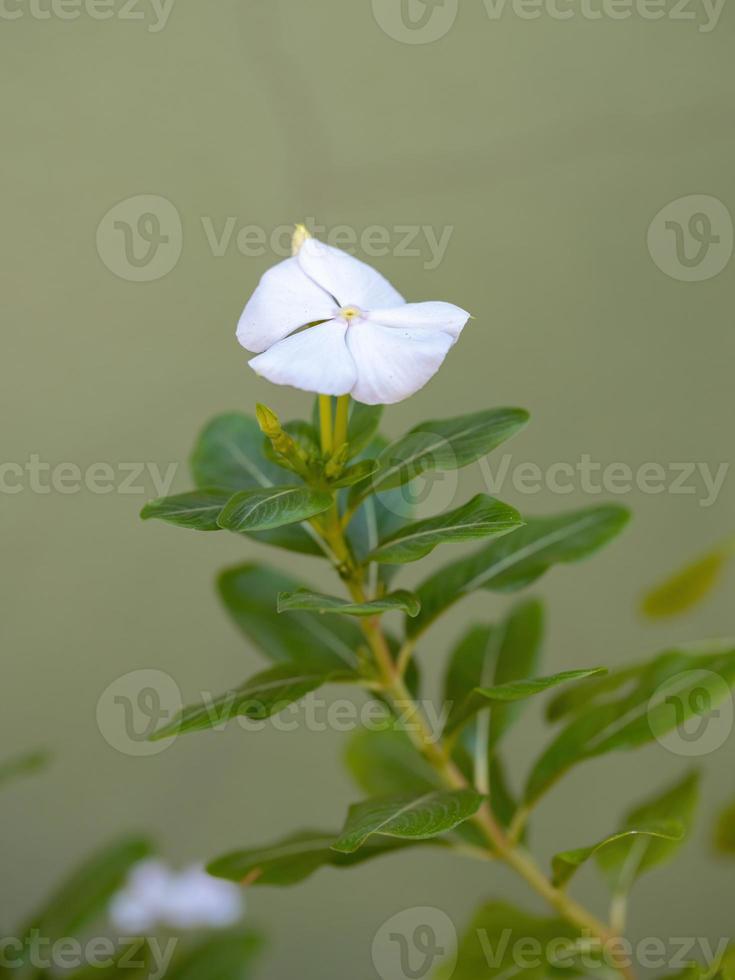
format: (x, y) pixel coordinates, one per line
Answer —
(401, 820)
(518, 559)
(229, 459)
(652, 833)
(247, 511)
(634, 707)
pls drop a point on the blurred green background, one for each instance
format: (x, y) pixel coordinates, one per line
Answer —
(546, 148)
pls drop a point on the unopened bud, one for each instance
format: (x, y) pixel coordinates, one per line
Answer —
(300, 235)
(268, 421)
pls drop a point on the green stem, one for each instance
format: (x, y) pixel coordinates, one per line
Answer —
(325, 423)
(500, 844)
(341, 421)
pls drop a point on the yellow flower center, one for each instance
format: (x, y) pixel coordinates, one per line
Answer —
(350, 312)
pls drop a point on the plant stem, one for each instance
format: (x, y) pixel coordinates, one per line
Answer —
(325, 423)
(430, 745)
(341, 421)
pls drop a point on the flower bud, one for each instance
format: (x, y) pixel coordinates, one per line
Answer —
(300, 235)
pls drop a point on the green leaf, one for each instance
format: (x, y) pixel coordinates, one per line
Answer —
(444, 445)
(519, 654)
(518, 559)
(493, 655)
(400, 601)
(250, 594)
(196, 509)
(580, 696)
(687, 587)
(262, 510)
(567, 863)
(625, 860)
(479, 518)
(407, 817)
(516, 691)
(223, 956)
(725, 831)
(519, 690)
(295, 858)
(86, 893)
(355, 474)
(667, 691)
(490, 946)
(264, 695)
(229, 455)
(23, 765)
(363, 425)
(385, 762)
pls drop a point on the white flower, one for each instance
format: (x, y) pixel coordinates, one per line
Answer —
(155, 896)
(361, 338)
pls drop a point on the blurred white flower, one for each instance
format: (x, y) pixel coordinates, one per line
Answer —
(154, 896)
(361, 338)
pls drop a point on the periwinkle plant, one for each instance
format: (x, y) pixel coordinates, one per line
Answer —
(325, 322)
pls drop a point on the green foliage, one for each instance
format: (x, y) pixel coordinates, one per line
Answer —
(262, 510)
(632, 718)
(295, 858)
(687, 587)
(225, 956)
(671, 814)
(407, 817)
(198, 510)
(266, 694)
(400, 601)
(519, 559)
(567, 863)
(23, 765)
(518, 691)
(351, 503)
(725, 830)
(86, 893)
(481, 517)
(444, 445)
(490, 947)
(384, 763)
(250, 594)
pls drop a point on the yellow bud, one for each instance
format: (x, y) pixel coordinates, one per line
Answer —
(337, 462)
(268, 421)
(300, 235)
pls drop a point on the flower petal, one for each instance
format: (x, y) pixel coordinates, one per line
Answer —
(445, 317)
(315, 359)
(350, 281)
(393, 363)
(284, 300)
